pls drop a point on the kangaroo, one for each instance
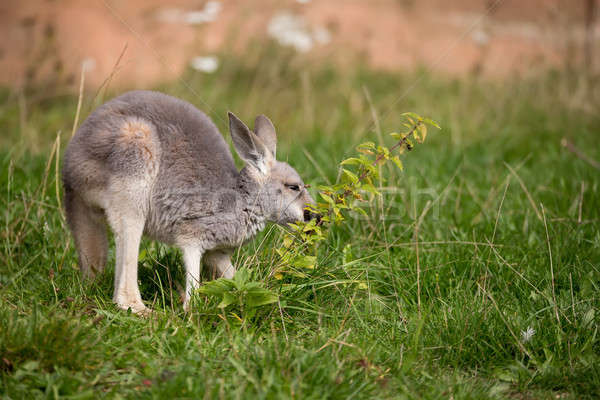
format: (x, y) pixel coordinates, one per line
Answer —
(148, 163)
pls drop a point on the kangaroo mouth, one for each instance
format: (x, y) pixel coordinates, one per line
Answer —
(309, 215)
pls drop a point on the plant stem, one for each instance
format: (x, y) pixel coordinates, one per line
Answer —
(380, 157)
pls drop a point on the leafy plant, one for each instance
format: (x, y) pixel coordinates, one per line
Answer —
(358, 175)
(299, 247)
(241, 292)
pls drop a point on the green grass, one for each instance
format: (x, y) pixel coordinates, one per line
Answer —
(507, 239)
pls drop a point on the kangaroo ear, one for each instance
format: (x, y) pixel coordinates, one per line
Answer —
(249, 147)
(264, 129)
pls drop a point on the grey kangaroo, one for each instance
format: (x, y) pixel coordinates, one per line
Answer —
(148, 163)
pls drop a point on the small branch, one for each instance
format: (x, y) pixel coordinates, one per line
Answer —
(581, 155)
(380, 157)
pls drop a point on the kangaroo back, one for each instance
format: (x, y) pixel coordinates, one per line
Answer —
(148, 135)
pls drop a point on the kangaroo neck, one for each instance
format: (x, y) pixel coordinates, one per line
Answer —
(251, 211)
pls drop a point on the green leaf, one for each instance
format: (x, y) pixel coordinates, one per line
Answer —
(305, 262)
(423, 129)
(411, 114)
(360, 211)
(217, 287)
(260, 297)
(588, 317)
(351, 176)
(228, 299)
(367, 145)
(241, 277)
(30, 365)
(370, 188)
(294, 226)
(396, 135)
(431, 122)
(310, 226)
(347, 253)
(323, 188)
(351, 161)
(253, 285)
(416, 135)
(327, 198)
(288, 241)
(142, 256)
(396, 160)
(384, 151)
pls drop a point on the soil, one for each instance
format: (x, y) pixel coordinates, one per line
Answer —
(48, 40)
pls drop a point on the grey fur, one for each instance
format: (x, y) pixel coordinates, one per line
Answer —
(149, 163)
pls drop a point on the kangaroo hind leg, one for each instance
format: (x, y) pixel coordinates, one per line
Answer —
(90, 233)
(128, 228)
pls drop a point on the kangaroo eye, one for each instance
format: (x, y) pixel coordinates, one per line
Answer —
(295, 188)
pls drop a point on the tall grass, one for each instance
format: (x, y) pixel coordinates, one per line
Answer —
(492, 229)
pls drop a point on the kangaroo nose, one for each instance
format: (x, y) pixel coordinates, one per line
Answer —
(308, 215)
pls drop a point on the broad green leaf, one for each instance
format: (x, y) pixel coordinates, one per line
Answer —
(367, 145)
(588, 317)
(228, 298)
(370, 188)
(350, 175)
(416, 135)
(288, 241)
(142, 256)
(431, 122)
(423, 129)
(241, 277)
(323, 188)
(396, 136)
(396, 160)
(305, 262)
(366, 148)
(253, 285)
(327, 198)
(217, 287)
(351, 161)
(410, 114)
(260, 297)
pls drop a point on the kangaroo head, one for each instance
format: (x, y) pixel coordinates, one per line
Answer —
(274, 186)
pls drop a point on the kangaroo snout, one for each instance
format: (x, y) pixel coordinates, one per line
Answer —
(309, 215)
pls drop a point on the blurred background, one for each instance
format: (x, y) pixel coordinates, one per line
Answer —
(329, 63)
(47, 41)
